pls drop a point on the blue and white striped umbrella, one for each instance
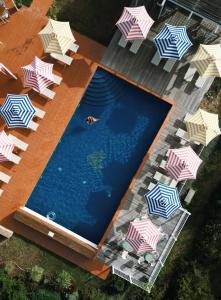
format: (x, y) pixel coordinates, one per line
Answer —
(172, 41)
(17, 110)
(162, 200)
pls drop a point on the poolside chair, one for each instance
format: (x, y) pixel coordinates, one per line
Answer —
(162, 164)
(135, 46)
(48, 93)
(124, 254)
(169, 65)
(151, 186)
(4, 14)
(161, 178)
(15, 159)
(122, 42)
(62, 58)
(4, 177)
(190, 73)
(1, 192)
(57, 79)
(200, 81)
(74, 48)
(18, 143)
(33, 125)
(39, 112)
(156, 59)
(183, 135)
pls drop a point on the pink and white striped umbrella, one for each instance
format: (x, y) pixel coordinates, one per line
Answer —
(6, 147)
(38, 75)
(134, 23)
(143, 236)
(182, 163)
(4, 70)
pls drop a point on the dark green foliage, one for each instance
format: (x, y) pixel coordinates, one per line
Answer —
(43, 294)
(36, 274)
(64, 280)
(19, 3)
(95, 19)
(115, 285)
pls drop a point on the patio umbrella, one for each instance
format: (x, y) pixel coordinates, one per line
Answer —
(143, 236)
(56, 37)
(172, 41)
(207, 60)
(38, 75)
(134, 23)
(6, 147)
(162, 200)
(4, 70)
(203, 126)
(183, 163)
(17, 110)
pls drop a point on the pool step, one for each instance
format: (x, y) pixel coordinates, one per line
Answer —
(103, 89)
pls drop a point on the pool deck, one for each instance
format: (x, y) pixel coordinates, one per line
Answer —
(20, 43)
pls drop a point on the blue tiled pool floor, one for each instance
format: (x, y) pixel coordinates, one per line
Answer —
(93, 165)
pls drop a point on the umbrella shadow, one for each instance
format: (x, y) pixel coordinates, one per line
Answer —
(10, 85)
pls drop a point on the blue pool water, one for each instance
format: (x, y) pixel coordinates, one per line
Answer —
(93, 165)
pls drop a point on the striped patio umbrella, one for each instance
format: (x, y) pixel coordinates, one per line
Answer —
(143, 236)
(203, 126)
(134, 23)
(6, 147)
(56, 37)
(17, 110)
(162, 200)
(38, 75)
(183, 163)
(4, 70)
(172, 41)
(207, 60)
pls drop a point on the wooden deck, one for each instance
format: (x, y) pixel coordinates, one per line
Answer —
(20, 43)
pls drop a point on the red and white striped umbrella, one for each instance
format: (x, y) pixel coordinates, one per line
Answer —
(4, 70)
(6, 147)
(134, 23)
(143, 236)
(182, 163)
(38, 75)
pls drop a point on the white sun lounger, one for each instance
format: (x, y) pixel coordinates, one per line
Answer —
(4, 177)
(39, 112)
(156, 59)
(163, 164)
(151, 186)
(122, 42)
(15, 159)
(187, 116)
(57, 79)
(62, 58)
(169, 65)
(190, 73)
(162, 178)
(200, 81)
(135, 46)
(33, 125)
(48, 93)
(18, 143)
(183, 135)
(124, 254)
(74, 48)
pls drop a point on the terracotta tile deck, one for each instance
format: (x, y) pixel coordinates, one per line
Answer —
(20, 43)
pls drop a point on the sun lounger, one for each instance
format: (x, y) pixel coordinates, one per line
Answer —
(4, 177)
(173, 183)
(163, 164)
(1, 192)
(156, 59)
(200, 81)
(15, 158)
(151, 186)
(189, 196)
(62, 58)
(57, 79)
(190, 73)
(48, 93)
(169, 65)
(33, 125)
(135, 46)
(18, 143)
(183, 135)
(161, 178)
(39, 113)
(74, 48)
(122, 42)
(124, 254)
(187, 116)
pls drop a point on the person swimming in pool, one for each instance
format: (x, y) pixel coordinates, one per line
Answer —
(91, 120)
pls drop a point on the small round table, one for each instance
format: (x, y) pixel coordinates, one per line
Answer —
(149, 258)
(126, 246)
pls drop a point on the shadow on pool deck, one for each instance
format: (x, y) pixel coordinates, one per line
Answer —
(20, 45)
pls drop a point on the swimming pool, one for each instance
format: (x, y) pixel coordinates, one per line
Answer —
(93, 165)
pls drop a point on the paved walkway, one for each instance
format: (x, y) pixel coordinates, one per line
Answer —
(20, 43)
